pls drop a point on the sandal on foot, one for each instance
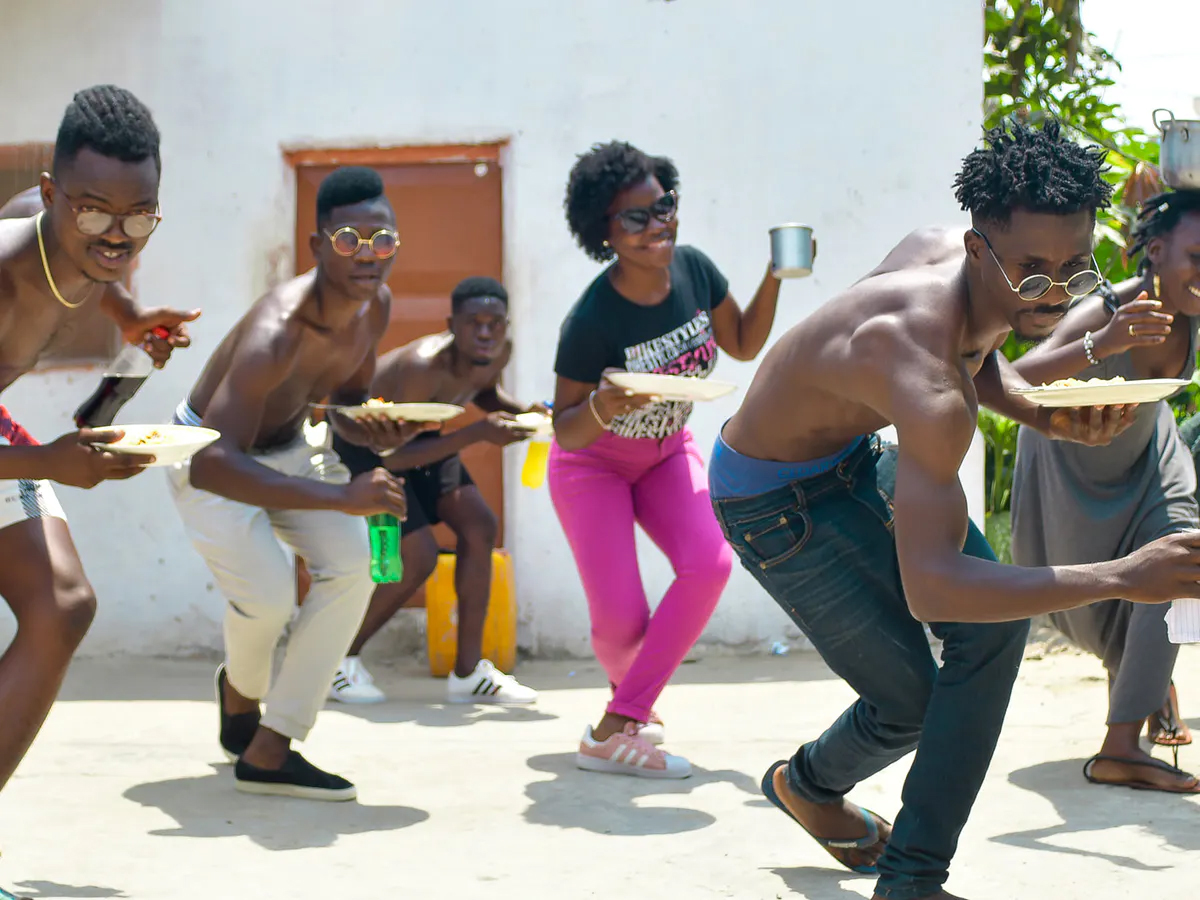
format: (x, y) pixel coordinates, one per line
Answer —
(870, 839)
(1164, 727)
(5, 895)
(1140, 784)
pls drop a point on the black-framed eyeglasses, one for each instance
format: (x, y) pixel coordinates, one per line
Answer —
(636, 219)
(95, 222)
(1035, 287)
(346, 241)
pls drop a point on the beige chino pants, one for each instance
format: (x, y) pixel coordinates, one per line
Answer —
(242, 546)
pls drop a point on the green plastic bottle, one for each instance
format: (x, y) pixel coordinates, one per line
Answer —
(386, 564)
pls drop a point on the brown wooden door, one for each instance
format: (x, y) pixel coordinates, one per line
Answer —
(449, 217)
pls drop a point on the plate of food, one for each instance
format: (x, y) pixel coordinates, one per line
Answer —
(671, 387)
(540, 424)
(1068, 392)
(403, 412)
(168, 444)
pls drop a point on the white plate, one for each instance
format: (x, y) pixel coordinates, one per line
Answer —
(671, 387)
(406, 412)
(1146, 390)
(173, 443)
(539, 423)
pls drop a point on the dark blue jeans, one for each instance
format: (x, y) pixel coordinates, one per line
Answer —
(823, 548)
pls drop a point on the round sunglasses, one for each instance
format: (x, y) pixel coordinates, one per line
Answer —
(346, 241)
(637, 219)
(1035, 287)
(95, 222)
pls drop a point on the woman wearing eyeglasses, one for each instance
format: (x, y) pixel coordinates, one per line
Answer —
(621, 459)
(1078, 504)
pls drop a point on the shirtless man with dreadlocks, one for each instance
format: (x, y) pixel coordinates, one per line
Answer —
(1074, 504)
(860, 546)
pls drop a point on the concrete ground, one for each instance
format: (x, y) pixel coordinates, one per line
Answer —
(125, 795)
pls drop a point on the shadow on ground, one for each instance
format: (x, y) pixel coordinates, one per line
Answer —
(208, 807)
(35, 890)
(442, 715)
(813, 883)
(1087, 807)
(608, 804)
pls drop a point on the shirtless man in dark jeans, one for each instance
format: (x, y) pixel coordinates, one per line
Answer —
(273, 477)
(861, 549)
(460, 365)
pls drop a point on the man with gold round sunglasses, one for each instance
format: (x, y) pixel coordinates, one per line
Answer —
(54, 258)
(274, 478)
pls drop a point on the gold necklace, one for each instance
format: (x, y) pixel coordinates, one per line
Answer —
(46, 269)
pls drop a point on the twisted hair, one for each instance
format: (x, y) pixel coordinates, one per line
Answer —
(596, 179)
(1159, 216)
(110, 121)
(1035, 169)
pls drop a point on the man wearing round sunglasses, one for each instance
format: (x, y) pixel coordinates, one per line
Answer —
(273, 477)
(93, 215)
(860, 545)
(460, 365)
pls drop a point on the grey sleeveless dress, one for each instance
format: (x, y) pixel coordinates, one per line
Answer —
(1073, 504)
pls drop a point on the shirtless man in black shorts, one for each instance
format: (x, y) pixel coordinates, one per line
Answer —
(860, 548)
(273, 477)
(460, 365)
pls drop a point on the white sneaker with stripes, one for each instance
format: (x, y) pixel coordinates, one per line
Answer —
(352, 683)
(487, 684)
(627, 753)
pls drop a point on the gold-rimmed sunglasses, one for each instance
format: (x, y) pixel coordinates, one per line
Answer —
(346, 241)
(95, 222)
(1035, 287)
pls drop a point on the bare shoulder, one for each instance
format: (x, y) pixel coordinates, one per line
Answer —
(13, 233)
(23, 205)
(932, 245)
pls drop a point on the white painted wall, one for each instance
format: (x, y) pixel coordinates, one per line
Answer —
(1156, 46)
(772, 111)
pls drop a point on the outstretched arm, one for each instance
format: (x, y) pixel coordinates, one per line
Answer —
(743, 333)
(1094, 426)
(935, 424)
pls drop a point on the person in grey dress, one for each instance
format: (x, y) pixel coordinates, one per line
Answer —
(1075, 504)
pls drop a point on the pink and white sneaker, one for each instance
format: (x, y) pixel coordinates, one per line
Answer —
(626, 753)
(653, 732)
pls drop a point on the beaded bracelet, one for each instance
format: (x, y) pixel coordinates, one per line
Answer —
(1088, 345)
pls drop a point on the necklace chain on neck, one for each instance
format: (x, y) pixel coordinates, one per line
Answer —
(46, 269)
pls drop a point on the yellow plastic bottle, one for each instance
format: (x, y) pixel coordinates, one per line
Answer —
(537, 455)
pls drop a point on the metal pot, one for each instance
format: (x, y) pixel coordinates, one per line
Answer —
(1179, 156)
(793, 250)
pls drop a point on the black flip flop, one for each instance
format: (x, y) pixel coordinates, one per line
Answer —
(1135, 785)
(869, 840)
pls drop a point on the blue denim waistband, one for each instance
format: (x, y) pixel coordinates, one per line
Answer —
(732, 474)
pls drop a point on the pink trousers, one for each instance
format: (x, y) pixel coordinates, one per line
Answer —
(599, 493)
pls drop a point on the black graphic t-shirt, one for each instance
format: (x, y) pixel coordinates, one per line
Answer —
(675, 337)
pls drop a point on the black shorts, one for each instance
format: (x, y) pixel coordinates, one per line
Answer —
(423, 486)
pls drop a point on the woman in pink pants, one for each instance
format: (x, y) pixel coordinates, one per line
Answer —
(620, 459)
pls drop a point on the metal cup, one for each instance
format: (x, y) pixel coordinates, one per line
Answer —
(793, 250)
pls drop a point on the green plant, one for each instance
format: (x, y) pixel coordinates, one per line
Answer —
(1000, 435)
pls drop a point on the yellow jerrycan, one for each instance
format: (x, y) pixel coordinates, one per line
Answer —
(441, 608)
